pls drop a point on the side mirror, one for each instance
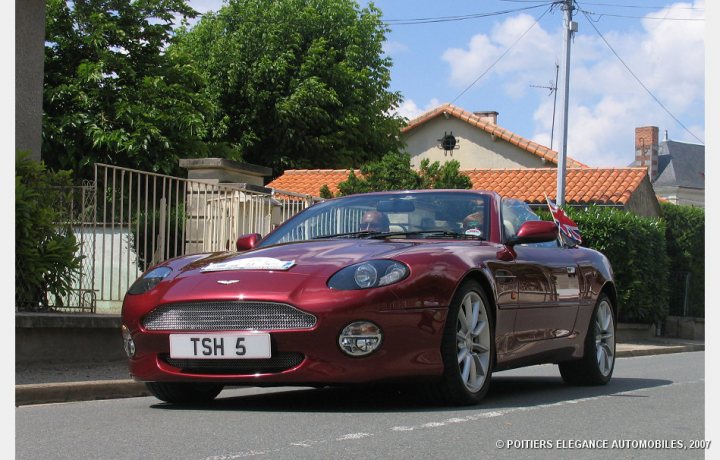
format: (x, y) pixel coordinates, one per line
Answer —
(247, 242)
(535, 231)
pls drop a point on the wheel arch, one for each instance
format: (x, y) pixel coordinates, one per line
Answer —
(610, 290)
(483, 279)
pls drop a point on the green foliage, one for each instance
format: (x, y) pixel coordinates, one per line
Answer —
(45, 260)
(297, 83)
(394, 172)
(685, 236)
(447, 176)
(636, 249)
(113, 94)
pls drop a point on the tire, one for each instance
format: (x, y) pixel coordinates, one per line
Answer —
(467, 359)
(598, 361)
(184, 393)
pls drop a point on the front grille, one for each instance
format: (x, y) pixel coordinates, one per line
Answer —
(278, 363)
(227, 315)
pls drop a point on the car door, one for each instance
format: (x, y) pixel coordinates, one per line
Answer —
(548, 293)
(546, 277)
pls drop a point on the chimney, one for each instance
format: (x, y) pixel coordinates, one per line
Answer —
(490, 116)
(646, 149)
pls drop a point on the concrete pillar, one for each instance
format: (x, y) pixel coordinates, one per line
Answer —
(29, 73)
(209, 192)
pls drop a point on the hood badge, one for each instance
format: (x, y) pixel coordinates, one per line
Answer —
(249, 263)
(228, 281)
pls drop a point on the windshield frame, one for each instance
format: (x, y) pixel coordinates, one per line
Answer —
(461, 201)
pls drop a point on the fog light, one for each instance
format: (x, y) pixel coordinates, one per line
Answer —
(128, 342)
(360, 338)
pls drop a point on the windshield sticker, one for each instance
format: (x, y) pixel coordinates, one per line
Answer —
(253, 263)
(473, 231)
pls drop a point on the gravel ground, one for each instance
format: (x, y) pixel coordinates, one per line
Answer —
(69, 372)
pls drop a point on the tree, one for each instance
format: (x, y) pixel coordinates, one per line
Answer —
(394, 172)
(298, 83)
(115, 93)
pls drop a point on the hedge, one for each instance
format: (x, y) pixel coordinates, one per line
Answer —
(685, 235)
(636, 248)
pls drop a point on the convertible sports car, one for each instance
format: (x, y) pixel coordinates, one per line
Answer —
(441, 287)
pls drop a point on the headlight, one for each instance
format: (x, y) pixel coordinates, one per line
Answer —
(149, 280)
(374, 273)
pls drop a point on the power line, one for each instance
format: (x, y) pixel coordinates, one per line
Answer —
(503, 54)
(640, 81)
(664, 18)
(430, 20)
(646, 7)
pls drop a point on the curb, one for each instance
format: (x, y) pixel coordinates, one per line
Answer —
(659, 350)
(46, 393)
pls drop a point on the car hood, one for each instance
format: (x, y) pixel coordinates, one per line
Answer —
(204, 276)
(308, 257)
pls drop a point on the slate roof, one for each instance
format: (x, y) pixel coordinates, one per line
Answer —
(492, 129)
(681, 165)
(612, 186)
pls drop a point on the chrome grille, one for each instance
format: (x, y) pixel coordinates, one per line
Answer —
(278, 363)
(227, 315)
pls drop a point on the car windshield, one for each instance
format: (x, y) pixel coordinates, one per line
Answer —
(444, 214)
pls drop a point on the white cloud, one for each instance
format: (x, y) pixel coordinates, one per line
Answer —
(606, 101)
(409, 109)
(394, 47)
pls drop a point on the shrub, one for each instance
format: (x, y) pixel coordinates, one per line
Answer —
(685, 236)
(45, 248)
(636, 248)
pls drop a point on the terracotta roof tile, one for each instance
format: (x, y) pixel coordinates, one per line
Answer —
(582, 186)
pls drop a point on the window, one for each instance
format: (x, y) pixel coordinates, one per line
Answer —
(514, 214)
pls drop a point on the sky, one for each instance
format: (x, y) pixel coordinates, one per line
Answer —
(651, 71)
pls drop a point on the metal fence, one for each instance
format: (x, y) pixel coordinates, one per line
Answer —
(128, 220)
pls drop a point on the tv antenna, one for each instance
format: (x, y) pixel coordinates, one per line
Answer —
(552, 86)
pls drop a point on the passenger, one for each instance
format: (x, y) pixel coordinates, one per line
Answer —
(374, 221)
(473, 224)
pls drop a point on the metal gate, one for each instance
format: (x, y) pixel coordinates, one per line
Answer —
(128, 220)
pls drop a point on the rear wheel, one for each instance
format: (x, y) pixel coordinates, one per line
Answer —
(468, 347)
(597, 364)
(182, 392)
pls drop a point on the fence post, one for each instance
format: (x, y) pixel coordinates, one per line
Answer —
(686, 295)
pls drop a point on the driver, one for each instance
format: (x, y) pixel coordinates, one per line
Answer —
(374, 221)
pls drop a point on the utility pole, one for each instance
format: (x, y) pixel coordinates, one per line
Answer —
(570, 27)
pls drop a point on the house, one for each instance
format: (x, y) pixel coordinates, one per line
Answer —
(498, 160)
(676, 169)
(623, 188)
(475, 140)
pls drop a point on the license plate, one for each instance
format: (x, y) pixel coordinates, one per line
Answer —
(220, 346)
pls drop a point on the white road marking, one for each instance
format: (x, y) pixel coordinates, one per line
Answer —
(433, 425)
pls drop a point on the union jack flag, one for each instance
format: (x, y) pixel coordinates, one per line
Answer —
(566, 225)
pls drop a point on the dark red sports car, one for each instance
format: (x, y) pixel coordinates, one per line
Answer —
(439, 286)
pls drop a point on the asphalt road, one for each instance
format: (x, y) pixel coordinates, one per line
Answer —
(653, 408)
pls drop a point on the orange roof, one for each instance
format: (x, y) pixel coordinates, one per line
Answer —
(492, 129)
(582, 185)
(310, 181)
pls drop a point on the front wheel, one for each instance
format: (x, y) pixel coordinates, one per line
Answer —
(184, 393)
(468, 347)
(597, 364)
